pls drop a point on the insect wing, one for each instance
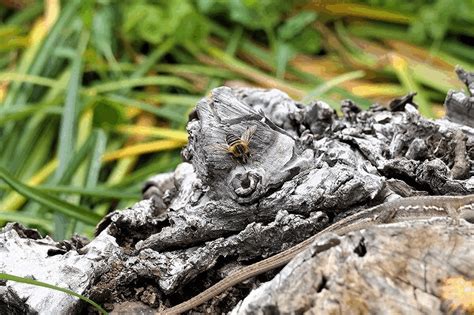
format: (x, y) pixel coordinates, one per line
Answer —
(248, 133)
(219, 147)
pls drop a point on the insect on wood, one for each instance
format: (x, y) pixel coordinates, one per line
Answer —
(238, 146)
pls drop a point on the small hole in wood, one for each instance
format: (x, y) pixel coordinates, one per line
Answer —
(322, 285)
(245, 182)
(361, 250)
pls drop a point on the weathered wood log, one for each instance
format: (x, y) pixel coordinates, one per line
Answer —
(71, 265)
(329, 164)
(459, 106)
(215, 212)
(382, 270)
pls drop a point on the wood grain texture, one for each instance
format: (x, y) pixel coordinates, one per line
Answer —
(401, 268)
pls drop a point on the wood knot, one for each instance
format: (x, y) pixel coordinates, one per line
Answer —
(245, 183)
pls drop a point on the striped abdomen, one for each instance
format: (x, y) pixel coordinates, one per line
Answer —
(237, 147)
(232, 139)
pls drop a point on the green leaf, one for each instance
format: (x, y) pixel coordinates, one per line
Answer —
(153, 58)
(19, 93)
(134, 82)
(21, 112)
(108, 114)
(328, 85)
(192, 28)
(26, 14)
(212, 6)
(103, 193)
(96, 158)
(51, 202)
(97, 191)
(30, 219)
(309, 41)
(158, 111)
(296, 24)
(255, 15)
(6, 276)
(154, 23)
(417, 31)
(151, 27)
(143, 20)
(67, 132)
(165, 162)
(283, 54)
(103, 34)
(177, 13)
(68, 129)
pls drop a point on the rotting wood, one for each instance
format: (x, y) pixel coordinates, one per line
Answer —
(308, 168)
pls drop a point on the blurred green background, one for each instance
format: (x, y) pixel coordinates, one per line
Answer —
(95, 94)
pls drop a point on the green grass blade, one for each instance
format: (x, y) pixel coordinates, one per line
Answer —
(96, 158)
(164, 133)
(27, 13)
(26, 111)
(406, 77)
(70, 112)
(175, 99)
(29, 219)
(329, 85)
(51, 202)
(200, 70)
(103, 193)
(6, 276)
(36, 154)
(153, 58)
(97, 191)
(76, 160)
(19, 93)
(160, 112)
(134, 82)
(164, 163)
(68, 126)
(27, 78)
(25, 137)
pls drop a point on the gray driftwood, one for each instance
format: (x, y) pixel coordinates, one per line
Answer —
(406, 268)
(308, 168)
(70, 264)
(459, 105)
